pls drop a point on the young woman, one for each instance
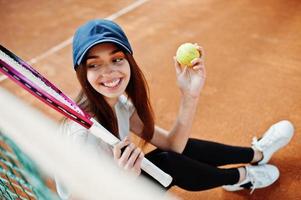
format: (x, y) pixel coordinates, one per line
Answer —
(115, 93)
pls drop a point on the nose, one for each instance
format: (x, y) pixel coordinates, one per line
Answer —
(107, 70)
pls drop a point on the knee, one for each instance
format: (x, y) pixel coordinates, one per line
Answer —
(167, 156)
(166, 159)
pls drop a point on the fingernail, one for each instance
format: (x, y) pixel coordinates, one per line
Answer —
(193, 61)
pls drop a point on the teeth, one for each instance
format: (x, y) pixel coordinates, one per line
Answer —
(112, 83)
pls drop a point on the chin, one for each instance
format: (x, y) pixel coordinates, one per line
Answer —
(112, 95)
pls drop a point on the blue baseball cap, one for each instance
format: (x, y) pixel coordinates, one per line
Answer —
(95, 32)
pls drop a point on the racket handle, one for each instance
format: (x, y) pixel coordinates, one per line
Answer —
(154, 171)
(147, 166)
(164, 178)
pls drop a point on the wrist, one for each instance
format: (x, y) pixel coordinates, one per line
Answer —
(189, 103)
(190, 97)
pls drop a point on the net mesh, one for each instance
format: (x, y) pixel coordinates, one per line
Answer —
(20, 177)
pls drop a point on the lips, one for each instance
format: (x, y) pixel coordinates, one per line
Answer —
(111, 83)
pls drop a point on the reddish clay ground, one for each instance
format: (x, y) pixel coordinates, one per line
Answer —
(252, 59)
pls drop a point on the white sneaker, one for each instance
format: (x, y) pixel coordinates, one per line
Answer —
(257, 176)
(276, 137)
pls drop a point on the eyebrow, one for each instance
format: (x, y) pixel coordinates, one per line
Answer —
(111, 53)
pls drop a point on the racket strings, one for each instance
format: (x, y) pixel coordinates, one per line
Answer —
(33, 77)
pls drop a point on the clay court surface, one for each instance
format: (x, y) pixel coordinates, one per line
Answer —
(252, 59)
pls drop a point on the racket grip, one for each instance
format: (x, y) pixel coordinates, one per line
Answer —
(162, 177)
(147, 166)
(154, 171)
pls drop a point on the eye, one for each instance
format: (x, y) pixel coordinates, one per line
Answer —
(93, 66)
(118, 60)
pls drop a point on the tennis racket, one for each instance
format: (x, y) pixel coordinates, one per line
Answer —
(32, 81)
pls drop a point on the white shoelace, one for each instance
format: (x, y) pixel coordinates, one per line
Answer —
(255, 181)
(267, 143)
(255, 143)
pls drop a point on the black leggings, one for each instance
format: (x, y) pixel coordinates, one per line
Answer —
(197, 167)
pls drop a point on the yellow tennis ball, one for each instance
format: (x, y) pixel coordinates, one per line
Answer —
(186, 53)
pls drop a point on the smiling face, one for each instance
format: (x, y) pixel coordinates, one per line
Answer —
(108, 71)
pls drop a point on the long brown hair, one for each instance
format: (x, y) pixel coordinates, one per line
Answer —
(137, 91)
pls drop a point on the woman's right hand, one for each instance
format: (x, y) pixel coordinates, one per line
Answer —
(191, 79)
(131, 157)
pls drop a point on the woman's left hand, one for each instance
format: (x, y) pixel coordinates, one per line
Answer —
(191, 79)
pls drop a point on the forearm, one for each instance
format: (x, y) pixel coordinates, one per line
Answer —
(181, 129)
(190, 81)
